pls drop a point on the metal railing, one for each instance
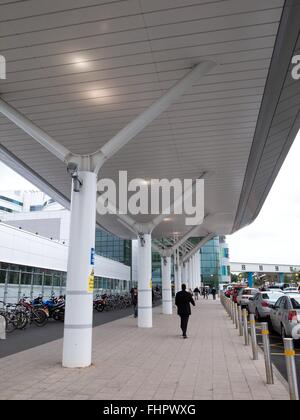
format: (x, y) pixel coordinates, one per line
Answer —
(16, 283)
(247, 329)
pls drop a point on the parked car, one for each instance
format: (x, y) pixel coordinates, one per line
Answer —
(236, 290)
(275, 288)
(291, 290)
(285, 314)
(228, 291)
(260, 304)
(244, 295)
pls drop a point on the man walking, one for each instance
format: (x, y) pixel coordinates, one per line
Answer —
(196, 292)
(182, 301)
(134, 301)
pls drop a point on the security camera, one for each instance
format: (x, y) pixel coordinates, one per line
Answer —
(72, 169)
(142, 239)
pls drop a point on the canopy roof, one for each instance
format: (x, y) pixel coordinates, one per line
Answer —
(81, 71)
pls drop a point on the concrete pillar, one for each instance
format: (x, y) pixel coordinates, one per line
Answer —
(77, 343)
(166, 286)
(145, 281)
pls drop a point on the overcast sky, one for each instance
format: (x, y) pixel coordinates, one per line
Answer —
(274, 237)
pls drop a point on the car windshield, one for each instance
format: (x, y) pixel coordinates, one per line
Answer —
(247, 292)
(250, 292)
(296, 302)
(272, 296)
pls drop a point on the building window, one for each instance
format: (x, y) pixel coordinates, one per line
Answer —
(243, 267)
(6, 209)
(261, 268)
(10, 200)
(276, 268)
(36, 208)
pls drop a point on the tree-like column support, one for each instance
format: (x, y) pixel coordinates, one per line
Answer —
(77, 343)
(145, 281)
(166, 286)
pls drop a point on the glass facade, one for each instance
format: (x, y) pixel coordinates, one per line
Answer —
(10, 200)
(112, 247)
(156, 268)
(5, 209)
(210, 262)
(18, 280)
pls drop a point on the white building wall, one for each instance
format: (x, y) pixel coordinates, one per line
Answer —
(265, 268)
(54, 223)
(24, 248)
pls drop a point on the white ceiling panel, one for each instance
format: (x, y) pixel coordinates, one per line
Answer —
(82, 71)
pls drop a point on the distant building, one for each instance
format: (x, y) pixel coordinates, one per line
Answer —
(215, 262)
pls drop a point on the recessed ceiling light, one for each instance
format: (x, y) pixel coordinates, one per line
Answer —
(101, 95)
(80, 62)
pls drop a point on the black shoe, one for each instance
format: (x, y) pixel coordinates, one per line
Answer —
(185, 336)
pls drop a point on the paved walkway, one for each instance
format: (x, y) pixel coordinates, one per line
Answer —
(132, 363)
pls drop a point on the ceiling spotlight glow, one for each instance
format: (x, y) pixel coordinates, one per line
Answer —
(101, 95)
(80, 62)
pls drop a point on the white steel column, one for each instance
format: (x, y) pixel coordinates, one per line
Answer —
(179, 274)
(183, 273)
(191, 273)
(145, 281)
(166, 285)
(77, 343)
(188, 273)
(199, 269)
(196, 271)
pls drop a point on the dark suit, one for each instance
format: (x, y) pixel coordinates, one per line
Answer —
(182, 301)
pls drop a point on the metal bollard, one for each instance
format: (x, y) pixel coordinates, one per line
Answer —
(267, 354)
(253, 337)
(240, 321)
(233, 312)
(245, 324)
(2, 328)
(231, 302)
(291, 368)
(236, 318)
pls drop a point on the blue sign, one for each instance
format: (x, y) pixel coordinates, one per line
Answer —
(92, 256)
